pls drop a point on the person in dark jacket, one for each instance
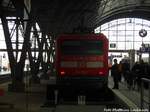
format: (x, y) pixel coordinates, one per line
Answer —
(136, 72)
(141, 71)
(125, 70)
(115, 74)
(120, 70)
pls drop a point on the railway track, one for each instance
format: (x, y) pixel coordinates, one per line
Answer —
(4, 78)
(88, 101)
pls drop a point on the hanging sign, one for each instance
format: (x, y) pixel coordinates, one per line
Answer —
(143, 33)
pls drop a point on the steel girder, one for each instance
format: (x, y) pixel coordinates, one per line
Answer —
(17, 56)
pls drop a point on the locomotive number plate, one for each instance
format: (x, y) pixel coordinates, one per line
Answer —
(81, 64)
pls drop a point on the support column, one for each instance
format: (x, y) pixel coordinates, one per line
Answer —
(17, 67)
(17, 77)
(132, 58)
(149, 57)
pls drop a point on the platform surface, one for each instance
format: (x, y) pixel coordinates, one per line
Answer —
(33, 99)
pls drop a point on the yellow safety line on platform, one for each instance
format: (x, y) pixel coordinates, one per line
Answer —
(126, 100)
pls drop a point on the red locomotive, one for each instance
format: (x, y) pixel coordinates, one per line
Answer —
(82, 59)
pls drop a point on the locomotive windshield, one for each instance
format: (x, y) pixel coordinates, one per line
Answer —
(82, 47)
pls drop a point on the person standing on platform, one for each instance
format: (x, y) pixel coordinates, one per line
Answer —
(120, 70)
(115, 74)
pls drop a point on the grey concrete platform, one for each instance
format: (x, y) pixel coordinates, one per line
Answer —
(131, 97)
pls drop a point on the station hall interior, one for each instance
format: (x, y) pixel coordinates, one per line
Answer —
(28, 40)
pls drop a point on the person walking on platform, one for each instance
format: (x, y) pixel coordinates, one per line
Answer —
(141, 71)
(115, 74)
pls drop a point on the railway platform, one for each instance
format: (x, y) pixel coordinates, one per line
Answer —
(33, 99)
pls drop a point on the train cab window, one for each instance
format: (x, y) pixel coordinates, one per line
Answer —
(82, 47)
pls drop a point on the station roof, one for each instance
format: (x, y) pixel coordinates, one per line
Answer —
(59, 16)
